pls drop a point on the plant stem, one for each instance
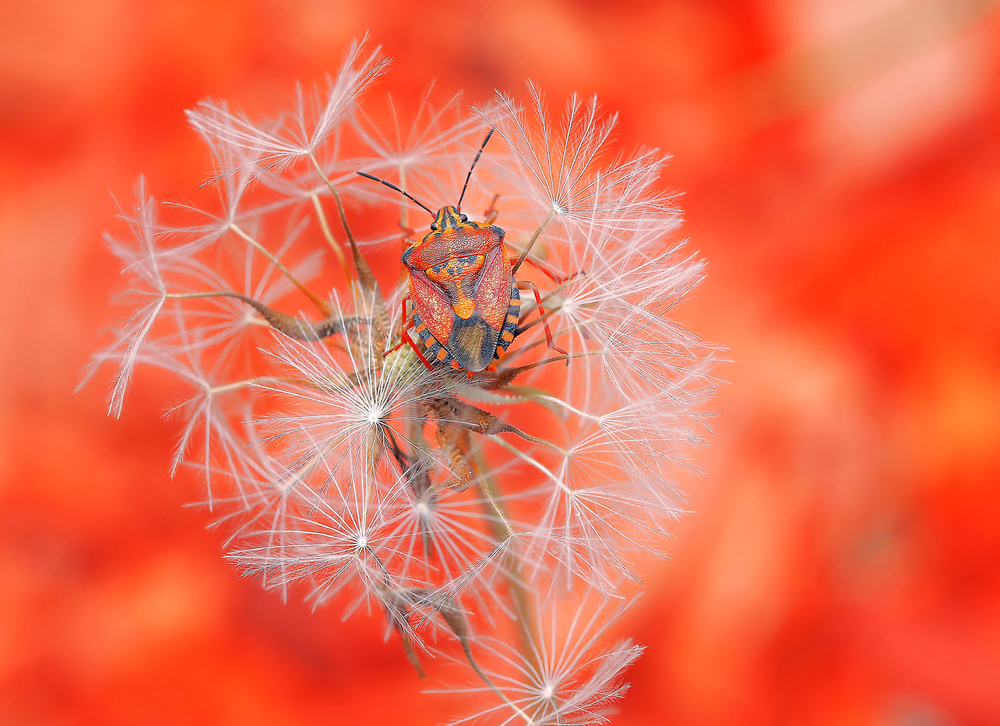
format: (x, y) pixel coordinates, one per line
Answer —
(325, 226)
(521, 598)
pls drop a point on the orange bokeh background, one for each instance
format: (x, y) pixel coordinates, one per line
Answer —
(841, 167)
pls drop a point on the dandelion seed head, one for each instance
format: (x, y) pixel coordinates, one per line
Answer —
(493, 517)
(375, 413)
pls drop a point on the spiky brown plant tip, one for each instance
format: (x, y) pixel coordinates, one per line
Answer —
(474, 510)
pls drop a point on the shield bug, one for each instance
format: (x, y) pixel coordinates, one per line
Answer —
(467, 304)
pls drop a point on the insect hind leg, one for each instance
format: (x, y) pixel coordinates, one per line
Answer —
(543, 316)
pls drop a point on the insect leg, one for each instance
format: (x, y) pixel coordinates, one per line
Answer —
(408, 232)
(550, 273)
(409, 341)
(406, 339)
(491, 213)
(407, 323)
(541, 312)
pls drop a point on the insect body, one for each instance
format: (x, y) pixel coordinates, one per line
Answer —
(461, 284)
(466, 301)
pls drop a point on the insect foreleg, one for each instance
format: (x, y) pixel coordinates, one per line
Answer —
(491, 213)
(408, 232)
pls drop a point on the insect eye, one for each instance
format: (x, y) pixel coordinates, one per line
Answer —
(434, 228)
(463, 218)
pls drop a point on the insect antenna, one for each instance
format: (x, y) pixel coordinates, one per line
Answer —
(474, 162)
(395, 188)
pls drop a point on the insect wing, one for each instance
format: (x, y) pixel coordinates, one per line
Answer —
(432, 305)
(493, 289)
(463, 303)
(473, 339)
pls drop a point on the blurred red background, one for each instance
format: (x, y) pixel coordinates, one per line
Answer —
(841, 167)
